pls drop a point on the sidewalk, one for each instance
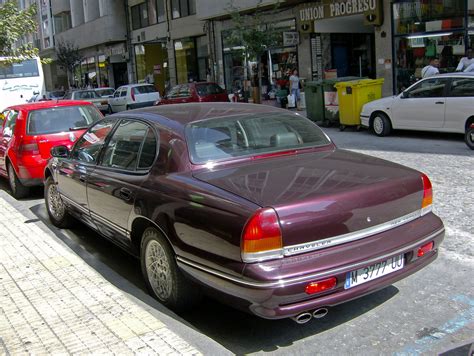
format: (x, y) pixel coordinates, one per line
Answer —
(51, 301)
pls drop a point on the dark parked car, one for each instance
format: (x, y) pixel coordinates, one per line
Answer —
(195, 93)
(253, 202)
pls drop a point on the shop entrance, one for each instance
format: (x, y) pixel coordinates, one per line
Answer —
(120, 74)
(353, 54)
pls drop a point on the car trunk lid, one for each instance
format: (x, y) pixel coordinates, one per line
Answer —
(322, 195)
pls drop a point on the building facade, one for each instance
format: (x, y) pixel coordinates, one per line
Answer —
(98, 28)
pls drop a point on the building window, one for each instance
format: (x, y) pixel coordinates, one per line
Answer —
(62, 22)
(139, 16)
(152, 15)
(160, 7)
(186, 60)
(182, 8)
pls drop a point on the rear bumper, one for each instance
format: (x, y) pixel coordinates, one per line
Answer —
(30, 170)
(285, 297)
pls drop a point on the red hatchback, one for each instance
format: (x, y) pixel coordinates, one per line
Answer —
(199, 92)
(27, 133)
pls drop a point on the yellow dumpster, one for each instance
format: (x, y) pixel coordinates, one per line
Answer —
(352, 96)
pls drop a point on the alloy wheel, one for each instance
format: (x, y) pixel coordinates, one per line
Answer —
(158, 270)
(55, 204)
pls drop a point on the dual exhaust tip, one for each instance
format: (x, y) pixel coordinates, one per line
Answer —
(303, 318)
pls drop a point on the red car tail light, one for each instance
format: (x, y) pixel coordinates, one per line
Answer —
(321, 286)
(132, 93)
(261, 237)
(425, 249)
(28, 148)
(426, 203)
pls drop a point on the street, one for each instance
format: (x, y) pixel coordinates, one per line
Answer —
(429, 312)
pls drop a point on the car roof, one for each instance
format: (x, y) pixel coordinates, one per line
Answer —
(177, 116)
(135, 85)
(457, 75)
(47, 104)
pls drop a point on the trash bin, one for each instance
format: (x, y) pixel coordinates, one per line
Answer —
(322, 101)
(353, 95)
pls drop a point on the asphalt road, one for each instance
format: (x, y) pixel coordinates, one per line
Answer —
(429, 312)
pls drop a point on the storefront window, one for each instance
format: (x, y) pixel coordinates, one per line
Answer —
(186, 60)
(202, 57)
(415, 52)
(103, 72)
(140, 62)
(427, 16)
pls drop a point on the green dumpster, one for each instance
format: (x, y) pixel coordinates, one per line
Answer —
(321, 100)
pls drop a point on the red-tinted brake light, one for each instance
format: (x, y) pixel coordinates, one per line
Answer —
(426, 203)
(423, 250)
(261, 237)
(321, 286)
(132, 93)
(28, 148)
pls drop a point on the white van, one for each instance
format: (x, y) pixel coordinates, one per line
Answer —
(20, 82)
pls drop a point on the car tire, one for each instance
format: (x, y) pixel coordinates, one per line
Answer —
(17, 188)
(167, 283)
(56, 208)
(381, 125)
(469, 138)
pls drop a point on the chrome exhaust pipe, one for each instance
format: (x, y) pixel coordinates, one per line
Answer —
(320, 313)
(302, 318)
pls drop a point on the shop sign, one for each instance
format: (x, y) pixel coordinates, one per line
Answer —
(308, 13)
(291, 38)
(114, 50)
(157, 69)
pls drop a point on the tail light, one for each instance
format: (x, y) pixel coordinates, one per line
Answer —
(425, 249)
(426, 203)
(261, 237)
(321, 286)
(132, 93)
(27, 147)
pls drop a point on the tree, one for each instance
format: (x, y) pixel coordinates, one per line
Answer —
(255, 36)
(68, 56)
(15, 24)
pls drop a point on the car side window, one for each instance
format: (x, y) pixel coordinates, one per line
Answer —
(429, 88)
(148, 153)
(174, 93)
(123, 92)
(125, 145)
(184, 91)
(10, 122)
(88, 147)
(462, 87)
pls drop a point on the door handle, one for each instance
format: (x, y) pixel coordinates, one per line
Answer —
(439, 102)
(125, 194)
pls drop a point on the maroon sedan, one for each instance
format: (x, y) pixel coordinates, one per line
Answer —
(199, 92)
(246, 202)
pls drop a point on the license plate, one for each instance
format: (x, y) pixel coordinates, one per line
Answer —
(374, 271)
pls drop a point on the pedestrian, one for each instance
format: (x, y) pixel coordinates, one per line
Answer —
(295, 87)
(431, 69)
(465, 62)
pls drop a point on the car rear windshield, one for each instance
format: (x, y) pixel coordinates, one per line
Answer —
(105, 92)
(61, 119)
(144, 89)
(208, 89)
(248, 135)
(83, 95)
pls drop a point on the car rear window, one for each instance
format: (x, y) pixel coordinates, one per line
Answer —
(144, 89)
(81, 95)
(61, 119)
(105, 92)
(251, 134)
(208, 89)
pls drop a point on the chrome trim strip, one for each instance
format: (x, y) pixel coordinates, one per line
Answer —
(315, 276)
(352, 236)
(76, 205)
(108, 223)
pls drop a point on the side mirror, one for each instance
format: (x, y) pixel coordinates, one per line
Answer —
(36, 93)
(405, 95)
(60, 151)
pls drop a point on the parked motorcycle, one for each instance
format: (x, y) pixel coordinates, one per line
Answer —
(469, 136)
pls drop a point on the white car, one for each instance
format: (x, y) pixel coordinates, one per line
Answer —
(133, 96)
(443, 103)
